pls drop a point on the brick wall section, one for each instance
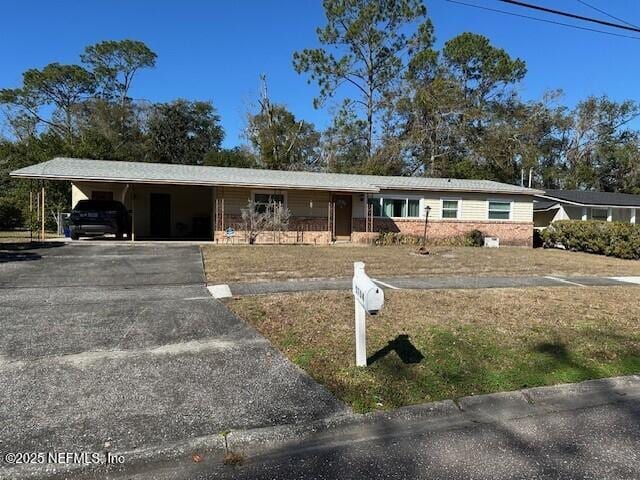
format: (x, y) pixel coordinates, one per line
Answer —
(302, 230)
(276, 238)
(317, 224)
(510, 233)
(313, 230)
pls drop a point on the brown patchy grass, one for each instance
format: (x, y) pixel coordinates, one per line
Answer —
(14, 236)
(262, 263)
(473, 341)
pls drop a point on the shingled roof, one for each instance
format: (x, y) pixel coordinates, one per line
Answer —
(587, 198)
(75, 169)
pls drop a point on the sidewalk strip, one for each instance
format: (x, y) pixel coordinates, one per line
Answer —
(385, 284)
(219, 291)
(635, 280)
(562, 280)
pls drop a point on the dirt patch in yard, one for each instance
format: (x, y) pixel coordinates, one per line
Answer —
(225, 264)
(432, 345)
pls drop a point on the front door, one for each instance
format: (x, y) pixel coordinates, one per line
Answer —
(343, 215)
(160, 215)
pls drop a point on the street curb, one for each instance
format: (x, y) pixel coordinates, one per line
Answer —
(467, 411)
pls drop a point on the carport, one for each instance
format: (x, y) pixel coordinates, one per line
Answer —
(164, 202)
(157, 210)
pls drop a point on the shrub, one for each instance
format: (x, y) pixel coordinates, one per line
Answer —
(614, 239)
(538, 240)
(474, 238)
(10, 215)
(395, 238)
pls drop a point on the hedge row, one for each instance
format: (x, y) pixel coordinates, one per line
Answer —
(474, 238)
(614, 239)
(10, 215)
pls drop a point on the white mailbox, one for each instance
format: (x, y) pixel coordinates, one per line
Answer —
(367, 293)
(369, 298)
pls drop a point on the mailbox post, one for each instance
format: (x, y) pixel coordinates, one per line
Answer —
(368, 298)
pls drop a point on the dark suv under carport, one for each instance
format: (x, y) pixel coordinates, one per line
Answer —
(99, 217)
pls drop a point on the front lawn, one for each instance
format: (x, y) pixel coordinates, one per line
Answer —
(14, 236)
(255, 263)
(449, 344)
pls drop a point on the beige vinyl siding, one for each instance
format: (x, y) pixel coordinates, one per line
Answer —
(473, 207)
(235, 199)
(301, 203)
(308, 203)
(83, 190)
(522, 210)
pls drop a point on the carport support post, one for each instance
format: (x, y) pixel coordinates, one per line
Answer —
(133, 213)
(43, 210)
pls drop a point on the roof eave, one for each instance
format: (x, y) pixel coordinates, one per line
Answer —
(16, 174)
(462, 189)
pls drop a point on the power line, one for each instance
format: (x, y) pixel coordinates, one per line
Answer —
(570, 15)
(569, 25)
(606, 13)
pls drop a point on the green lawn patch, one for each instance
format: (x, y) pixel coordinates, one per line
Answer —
(433, 345)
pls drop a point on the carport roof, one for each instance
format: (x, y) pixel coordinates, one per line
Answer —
(75, 169)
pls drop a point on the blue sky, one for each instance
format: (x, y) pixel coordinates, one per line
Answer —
(216, 50)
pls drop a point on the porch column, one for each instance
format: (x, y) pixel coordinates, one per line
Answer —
(133, 213)
(634, 212)
(584, 213)
(609, 214)
(214, 213)
(43, 212)
(123, 196)
(366, 212)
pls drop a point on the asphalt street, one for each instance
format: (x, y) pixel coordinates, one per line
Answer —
(582, 431)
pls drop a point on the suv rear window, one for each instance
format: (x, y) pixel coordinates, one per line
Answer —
(84, 205)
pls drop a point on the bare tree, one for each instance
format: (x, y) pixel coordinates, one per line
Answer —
(260, 217)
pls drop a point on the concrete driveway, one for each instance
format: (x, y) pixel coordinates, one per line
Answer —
(123, 344)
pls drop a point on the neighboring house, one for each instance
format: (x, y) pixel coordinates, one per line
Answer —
(556, 205)
(197, 201)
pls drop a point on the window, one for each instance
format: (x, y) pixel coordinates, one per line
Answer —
(101, 195)
(499, 210)
(599, 214)
(450, 208)
(395, 207)
(375, 203)
(263, 199)
(414, 207)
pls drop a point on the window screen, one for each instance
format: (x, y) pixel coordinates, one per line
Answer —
(499, 210)
(394, 207)
(264, 199)
(414, 208)
(450, 209)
